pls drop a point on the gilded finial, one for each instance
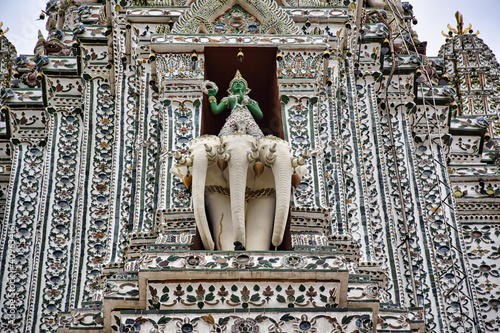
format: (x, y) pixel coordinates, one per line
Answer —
(460, 27)
(460, 22)
(2, 32)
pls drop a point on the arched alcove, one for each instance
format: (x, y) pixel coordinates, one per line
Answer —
(259, 69)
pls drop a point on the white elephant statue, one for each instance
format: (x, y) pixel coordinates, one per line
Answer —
(245, 185)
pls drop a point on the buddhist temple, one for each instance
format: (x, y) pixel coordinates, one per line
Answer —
(278, 166)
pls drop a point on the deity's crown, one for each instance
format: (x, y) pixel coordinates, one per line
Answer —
(238, 77)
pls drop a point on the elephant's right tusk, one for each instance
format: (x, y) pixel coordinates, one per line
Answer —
(210, 152)
(271, 155)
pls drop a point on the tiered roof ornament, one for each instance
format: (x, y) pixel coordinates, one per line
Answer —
(200, 16)
(460, 27)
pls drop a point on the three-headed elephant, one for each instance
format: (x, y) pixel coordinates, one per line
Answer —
(244, 183)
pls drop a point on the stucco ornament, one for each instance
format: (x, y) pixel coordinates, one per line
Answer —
(201, 16)
(243, 179)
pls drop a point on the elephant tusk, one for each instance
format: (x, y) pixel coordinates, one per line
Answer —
(222, 153)
(301, 160)
(224, 157)
(271, 155)
(182, 160)
(254, 154)
(270, 158)
(210, 152)
(177, 155)
(305, 154)
(221, 149)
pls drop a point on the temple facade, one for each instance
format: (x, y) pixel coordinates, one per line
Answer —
(248, 166)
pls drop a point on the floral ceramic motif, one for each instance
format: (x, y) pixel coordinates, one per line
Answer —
(244, 325)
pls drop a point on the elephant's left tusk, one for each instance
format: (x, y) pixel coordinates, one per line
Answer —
(222, 153)
(270, 158)
(305, 154)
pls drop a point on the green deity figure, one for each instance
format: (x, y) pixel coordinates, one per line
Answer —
(242, 107)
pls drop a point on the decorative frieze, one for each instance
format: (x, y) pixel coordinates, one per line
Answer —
(20, 233)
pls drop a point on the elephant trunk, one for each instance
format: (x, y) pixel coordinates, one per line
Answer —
(200, 165)
(282, 171)
(238, 168)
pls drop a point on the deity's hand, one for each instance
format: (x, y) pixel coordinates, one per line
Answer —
(212, 92)
(209, 88)
(244, 100)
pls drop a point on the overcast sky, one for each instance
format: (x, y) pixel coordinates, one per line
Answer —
(433, 16)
